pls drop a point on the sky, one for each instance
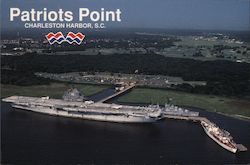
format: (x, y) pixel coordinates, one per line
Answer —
(169, 14)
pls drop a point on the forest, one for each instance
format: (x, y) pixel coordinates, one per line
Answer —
(223, 77)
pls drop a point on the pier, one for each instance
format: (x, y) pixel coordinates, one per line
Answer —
(117, 93)
(240, 147)
(193, 118)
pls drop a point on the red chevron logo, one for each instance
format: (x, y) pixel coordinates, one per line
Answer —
(70, 38)
(56, 35)
(77, 35)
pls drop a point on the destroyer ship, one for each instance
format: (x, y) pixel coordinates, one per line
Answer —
(170, 109)
(74, 105)
(220, 136)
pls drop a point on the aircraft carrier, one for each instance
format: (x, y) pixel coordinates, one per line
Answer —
(86, 109)
(74, 104)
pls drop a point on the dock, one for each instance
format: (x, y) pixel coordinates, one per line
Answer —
(240, 147)
(117, 93)
(192, 118)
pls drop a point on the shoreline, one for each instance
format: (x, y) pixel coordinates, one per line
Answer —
(235, 116)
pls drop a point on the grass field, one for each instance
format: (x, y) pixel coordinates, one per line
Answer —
(54, 90)
(209, 103)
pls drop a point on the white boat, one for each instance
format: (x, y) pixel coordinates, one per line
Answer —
(218, 135)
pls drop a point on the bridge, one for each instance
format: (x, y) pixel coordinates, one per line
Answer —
(117, 93)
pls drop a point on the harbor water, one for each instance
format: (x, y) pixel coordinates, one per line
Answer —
(33, 138)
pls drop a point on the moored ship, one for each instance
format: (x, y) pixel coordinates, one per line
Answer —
(220, 136)
(178, 111)
(86, 109)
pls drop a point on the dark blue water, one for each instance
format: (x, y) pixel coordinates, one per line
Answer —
(101, 95)
(33, 138)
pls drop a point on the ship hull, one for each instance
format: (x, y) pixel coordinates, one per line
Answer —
(233, 150)
(119, 118)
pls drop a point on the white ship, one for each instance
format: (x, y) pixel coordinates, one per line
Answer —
(221, 137)
(87, 109)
